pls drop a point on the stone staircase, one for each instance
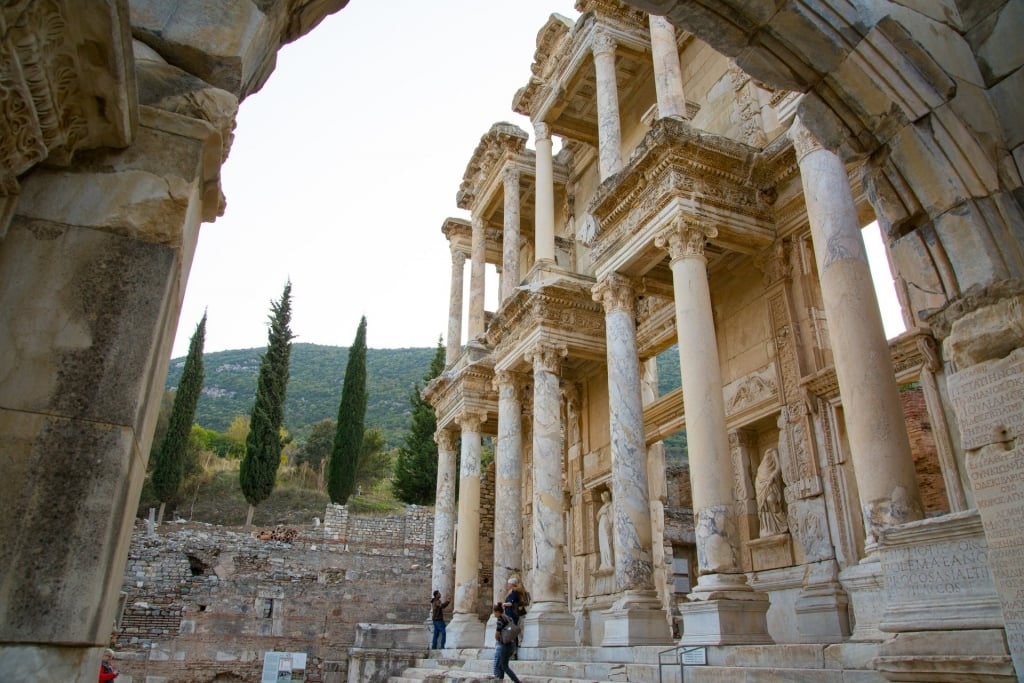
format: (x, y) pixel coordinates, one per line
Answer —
(840, 663)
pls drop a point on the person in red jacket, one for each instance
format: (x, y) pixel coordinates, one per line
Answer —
(107, 671)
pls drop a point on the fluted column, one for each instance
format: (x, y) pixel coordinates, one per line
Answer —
(477, 269)
(442, 574)
(635, 618)
(510, 237)
(875, 426)
(711, 471)
(465, 627)
(609, 131)
(455, 308)
(668, 76)
(548, 623)
(544, 201)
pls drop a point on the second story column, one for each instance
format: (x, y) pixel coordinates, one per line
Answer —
(455, 308)
(609, 128)
(544, 222)
(636, 617)
(465, 627)
(875, 426)
(668, 76)
(442, 574)
(477, 270)
(510, 235)
(723, 609)
(548, 623)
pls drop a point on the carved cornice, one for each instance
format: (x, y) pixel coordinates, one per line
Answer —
(612, 9)
(707, 176)
(908, 358)
(65, 83)
(502, 140)
(462, 390)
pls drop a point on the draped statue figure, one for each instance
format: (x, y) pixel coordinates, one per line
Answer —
(770, 511)
(604, 532)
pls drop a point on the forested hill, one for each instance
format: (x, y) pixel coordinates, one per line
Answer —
(314, 390)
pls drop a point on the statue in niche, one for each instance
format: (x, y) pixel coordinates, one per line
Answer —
(604, 532)
(768, 488)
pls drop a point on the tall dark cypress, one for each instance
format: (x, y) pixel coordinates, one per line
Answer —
(348, 440)
(258, 470)
(169, 468)
(416, 467)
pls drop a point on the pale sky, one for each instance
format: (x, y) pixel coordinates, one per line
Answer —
(345, 166)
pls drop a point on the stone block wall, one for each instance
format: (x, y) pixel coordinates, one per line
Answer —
(203, 602)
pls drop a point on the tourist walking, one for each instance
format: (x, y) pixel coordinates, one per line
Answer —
(107, 670)
(503, 648)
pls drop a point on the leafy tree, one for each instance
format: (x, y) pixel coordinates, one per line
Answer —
(348, 439)
(169, 470)
(258, 470)
(416, 468)
(318, 445)
(374, 460)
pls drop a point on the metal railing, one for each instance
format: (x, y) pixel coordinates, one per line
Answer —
(678, 654)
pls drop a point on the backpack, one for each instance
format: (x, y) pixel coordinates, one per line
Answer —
(509, 632)
(524, 602)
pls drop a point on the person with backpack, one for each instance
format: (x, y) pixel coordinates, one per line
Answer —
(514, 607)
(506, 632)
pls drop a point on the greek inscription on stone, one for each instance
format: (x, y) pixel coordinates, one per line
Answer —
(989, 398)
(949, 568)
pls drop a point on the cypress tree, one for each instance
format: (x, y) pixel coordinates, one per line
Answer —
(348, 439)
(416, 467)
(258, 470)
(169, 468)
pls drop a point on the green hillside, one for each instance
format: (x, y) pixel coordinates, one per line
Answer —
(314, 390)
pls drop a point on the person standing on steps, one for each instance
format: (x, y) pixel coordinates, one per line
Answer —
(513, 600)
(437, 616)
(504, 649)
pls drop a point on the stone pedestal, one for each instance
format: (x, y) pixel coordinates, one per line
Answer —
(822, 614)
(926, 656)
(863, 584)
(636, 619)
(771, 552)
(548, 625)
(463, 631)
(740, 621)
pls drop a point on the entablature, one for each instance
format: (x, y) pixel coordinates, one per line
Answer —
(678, 171)
(467, 389)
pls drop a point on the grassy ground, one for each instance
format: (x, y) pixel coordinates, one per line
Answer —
(216, 498)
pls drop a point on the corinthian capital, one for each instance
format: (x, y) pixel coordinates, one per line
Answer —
(616, 293)
(603, 42)
(445, 439)
(541, 131)
(510, 177)
(508, 384)
(547, 357)
(470, 421)
(804, 141)
(685, 239)
(458, 258)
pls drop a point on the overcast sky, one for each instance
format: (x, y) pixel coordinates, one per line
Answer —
(345, 166)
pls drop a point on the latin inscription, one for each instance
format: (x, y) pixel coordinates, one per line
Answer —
(997, 477)
(989, 401)
(948, 568)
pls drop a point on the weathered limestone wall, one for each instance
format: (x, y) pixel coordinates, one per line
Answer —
(202, 601)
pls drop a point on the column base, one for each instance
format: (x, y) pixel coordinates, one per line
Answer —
(548, 624)
(724, 610)
(863, 583)
(822, 614)
(979, 656)
(463, 631)
(636, 619)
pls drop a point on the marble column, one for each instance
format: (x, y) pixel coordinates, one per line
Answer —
(548, 623)
(455, 308)
(477, 270)
(723, 609)
(668, 75)
(442, 574)
(875, 426)
(544, 201)
(609, 131)
(465, 627)
(510, 235)
(635, 618)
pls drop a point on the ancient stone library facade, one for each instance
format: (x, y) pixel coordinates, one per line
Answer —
(715, 164)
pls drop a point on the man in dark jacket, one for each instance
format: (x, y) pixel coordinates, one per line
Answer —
(437, 616)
